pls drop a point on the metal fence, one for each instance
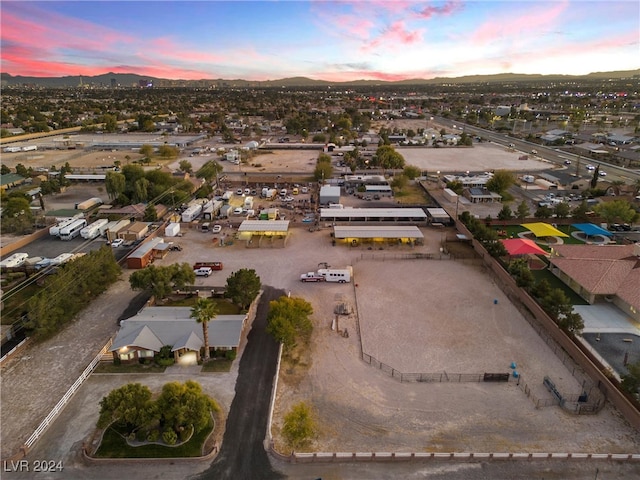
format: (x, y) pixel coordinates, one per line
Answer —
(438, 377)
(65, 399)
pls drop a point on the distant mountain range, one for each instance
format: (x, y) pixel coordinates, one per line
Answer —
(132, 79)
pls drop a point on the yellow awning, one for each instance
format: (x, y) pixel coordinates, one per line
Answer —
(541, 229)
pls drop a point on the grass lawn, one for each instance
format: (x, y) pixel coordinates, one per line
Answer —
(114, 445)
(555, 282)
(225, 307)
(110, 367)
(410, 195)
(217, 365)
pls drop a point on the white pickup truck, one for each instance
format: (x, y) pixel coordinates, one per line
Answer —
(312, 277)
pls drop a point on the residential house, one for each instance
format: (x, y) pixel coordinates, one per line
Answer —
(143, 335)
(601, 273)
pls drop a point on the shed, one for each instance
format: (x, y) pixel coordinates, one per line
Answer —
(145, 254)
(134, 231)
(438, 215)
(329, 194)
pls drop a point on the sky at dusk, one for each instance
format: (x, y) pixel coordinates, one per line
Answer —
(324, 40)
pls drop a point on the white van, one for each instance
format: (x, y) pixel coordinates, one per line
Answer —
(283, 192)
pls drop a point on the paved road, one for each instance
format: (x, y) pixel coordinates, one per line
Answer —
(242, 454)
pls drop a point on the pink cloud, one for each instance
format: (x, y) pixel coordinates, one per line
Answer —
(446, 9)
(393, 37)
(538, 20)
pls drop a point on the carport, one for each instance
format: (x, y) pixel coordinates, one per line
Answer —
(272, 233)
(371, 215)
(378, 235)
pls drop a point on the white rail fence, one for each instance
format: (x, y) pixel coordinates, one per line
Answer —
(65, 399)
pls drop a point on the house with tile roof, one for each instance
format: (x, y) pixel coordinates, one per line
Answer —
(143, 335)
(601, 273)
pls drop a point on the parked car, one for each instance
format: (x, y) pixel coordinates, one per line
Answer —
(237, 211)
(287, 199)
(117, 242)
(239, 191)
(175, 247)
(216, 228)
(203, 271)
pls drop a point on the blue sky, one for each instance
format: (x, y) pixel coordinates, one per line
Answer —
(329, 40)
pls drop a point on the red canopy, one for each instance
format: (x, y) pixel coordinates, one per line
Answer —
(522, 246)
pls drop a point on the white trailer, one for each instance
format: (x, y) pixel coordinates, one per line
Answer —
(55, 230)
(29, 148)
(191, 213)
(94, 230)
(14, 260)
(87, 204)
(62, 258)
(12, 149)
(172, 230)
(340, 275)
(72, 230)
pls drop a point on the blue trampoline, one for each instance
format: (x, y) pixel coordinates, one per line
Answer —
(590, 229)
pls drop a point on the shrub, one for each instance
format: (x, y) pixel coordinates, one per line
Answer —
(141, 434)
(230, 355)
(153, 435)
(169, 436)
(185, 433)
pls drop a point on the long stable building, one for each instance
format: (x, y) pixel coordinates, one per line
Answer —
(402, 215)
(268, 232)
(378, 234)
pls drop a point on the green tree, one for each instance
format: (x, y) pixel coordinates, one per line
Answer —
(411, 172)
(204, 311)
(543, 212)
(617, 211)
(324, 169)
(209, 170)
(399, 182)
(150, 213)
(4, 170)
(288, 320)
(562, 210)
(168, 152)
(594, 178)
(22, 170)
(185, 166)
(387, 157)
(299, 425)
(571, 322)
(146, 150)
(501, 181)
(129, 404)
(141, 190)
(185, 404)
(505, 213)
(523, 210)
(161, 281)
(110, 123)
(243, 287)
(631, 380)
(519, 269)
(579, 213)
(71, 289)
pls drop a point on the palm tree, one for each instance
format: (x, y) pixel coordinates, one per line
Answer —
(203, 311)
